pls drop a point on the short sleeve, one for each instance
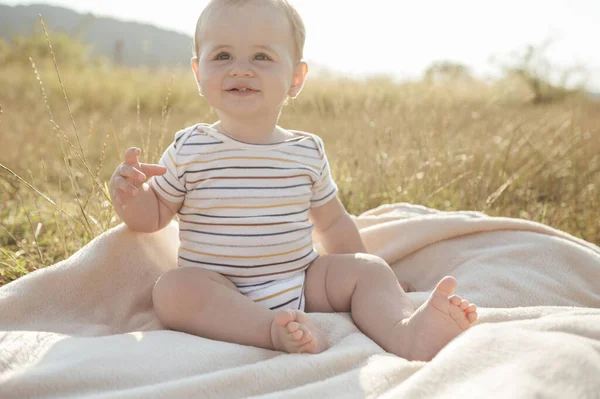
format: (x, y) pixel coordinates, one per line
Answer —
(324, 188)
(171, 185)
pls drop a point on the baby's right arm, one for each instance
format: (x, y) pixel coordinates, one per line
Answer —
(135, 202)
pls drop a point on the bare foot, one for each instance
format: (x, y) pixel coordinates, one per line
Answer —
(435, 323)
(293, 332)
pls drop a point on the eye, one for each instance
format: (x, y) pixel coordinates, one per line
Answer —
(222, 56)
(262, 57)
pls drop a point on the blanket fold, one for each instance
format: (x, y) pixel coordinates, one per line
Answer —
(85, 327)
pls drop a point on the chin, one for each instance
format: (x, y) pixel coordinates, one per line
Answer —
(245, 107)
(242, 112)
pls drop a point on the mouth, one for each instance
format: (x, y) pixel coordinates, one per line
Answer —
(241, 90)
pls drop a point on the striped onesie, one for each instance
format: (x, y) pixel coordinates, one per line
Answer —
(244, 208)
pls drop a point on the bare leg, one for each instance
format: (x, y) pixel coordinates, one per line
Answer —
(204, 303)
(367, 287)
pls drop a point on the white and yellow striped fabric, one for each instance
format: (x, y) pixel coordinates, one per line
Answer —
(245, 207)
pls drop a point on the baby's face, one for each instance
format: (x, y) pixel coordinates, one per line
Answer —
(246, 60)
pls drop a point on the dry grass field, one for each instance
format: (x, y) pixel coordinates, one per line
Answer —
(451, 145)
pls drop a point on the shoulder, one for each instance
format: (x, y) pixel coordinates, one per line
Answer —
(187, 143)
(184, 135)
(311, 141)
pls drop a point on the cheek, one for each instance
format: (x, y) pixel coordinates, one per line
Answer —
(279, 81)
(209, 81)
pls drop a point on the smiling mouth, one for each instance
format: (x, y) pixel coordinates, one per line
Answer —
(241, 89)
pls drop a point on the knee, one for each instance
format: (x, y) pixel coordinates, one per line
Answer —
(372, 261)
(165, 285)
(166, 293)
(372, 264)
(175, 291)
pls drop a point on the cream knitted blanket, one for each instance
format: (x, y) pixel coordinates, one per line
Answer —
(85, 328)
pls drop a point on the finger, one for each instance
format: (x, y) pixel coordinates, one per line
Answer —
(153, 170)
(116, 197)
(125, 187)
(130, 172)
(131, 155)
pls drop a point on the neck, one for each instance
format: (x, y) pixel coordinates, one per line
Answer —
(250, 130)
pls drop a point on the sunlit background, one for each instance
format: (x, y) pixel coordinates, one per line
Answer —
(464, 105)
(403, 38)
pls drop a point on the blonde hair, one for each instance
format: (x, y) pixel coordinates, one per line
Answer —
(296, 23)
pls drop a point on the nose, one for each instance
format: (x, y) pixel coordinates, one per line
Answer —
(241, 68)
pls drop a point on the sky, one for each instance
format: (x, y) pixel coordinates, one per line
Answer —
(402, 37)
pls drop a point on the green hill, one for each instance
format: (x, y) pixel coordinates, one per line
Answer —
(127, 43)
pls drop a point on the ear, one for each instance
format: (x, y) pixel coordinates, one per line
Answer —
(298, 79)
(196, 71)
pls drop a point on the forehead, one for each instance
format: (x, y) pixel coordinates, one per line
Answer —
(251, 23)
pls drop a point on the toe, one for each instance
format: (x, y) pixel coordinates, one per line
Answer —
(309, 347)
(459, 317)
(464, 304)
(455, 300)
(307, 336)
(292, 326)
(472, 308)
(301, 317)
(472, 316)
(285, 316)
(445, 287)
(297, 335)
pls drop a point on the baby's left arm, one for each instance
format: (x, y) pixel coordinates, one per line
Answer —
(335, 229)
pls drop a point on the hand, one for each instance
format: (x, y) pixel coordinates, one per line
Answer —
(130, 175)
